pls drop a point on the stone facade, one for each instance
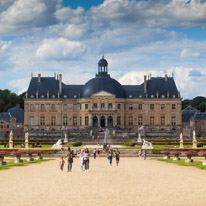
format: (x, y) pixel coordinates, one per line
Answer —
(60, 111)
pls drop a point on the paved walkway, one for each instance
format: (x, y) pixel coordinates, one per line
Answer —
(134, 182)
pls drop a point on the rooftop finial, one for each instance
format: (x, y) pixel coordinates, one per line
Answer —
(102, 56)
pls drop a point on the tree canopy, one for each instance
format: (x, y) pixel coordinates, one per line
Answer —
(9, 99)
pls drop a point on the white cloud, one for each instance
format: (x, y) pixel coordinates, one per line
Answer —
(60, 49)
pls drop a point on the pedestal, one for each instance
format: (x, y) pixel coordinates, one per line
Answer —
(39, 157)
(2, 160)
(30, 158)
(11, 145)
(26, 145)
(18, 159)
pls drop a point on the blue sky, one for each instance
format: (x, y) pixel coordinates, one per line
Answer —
(137, 37)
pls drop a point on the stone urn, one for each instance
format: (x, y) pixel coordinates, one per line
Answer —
(176, 154)
(202, 153)
(166, 153)
(189, 154)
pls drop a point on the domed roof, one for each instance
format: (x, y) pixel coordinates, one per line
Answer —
(103, 83)
(103, 62)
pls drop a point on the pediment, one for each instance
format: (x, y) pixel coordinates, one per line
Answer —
(103, 93)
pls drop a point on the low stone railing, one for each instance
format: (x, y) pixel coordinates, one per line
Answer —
(18, 155)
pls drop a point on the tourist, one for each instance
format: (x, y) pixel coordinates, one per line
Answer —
(110, 156)
(81, 159)
(95, 152)
(61, 163)
(70, 159)
(117, 156)
(98, 153)
(145, 154)
(86, 160)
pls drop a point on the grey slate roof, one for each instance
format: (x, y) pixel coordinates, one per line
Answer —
(18, 113)
(154, 85)
(200, 116)
(187, 113)
(5, 116)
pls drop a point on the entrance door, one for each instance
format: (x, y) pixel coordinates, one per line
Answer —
(102, 121)
(110, 121)
(95, 121)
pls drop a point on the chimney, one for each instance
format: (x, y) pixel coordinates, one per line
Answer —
(145, 84)
(39, 77)
(60, 84)
(166, 77)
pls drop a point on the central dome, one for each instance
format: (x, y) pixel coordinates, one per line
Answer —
(103, 82)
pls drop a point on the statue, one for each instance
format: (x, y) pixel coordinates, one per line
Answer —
(147, 145)
(27, 140)
(194, 140)
(11, 140)
(139, 140)
(58, 145)
(65, 139)
(181, 141)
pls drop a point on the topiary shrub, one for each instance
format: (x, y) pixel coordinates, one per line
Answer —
(76, 144)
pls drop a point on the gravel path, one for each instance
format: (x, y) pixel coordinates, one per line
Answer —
(134, 182)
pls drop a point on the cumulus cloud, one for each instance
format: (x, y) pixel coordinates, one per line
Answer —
(60, 49)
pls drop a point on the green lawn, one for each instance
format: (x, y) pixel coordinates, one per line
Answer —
(197, 164)
(10, 163)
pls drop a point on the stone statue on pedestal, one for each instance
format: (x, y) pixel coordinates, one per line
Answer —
(27, 140)
(139, 140)
(65, 139)
(11, 140)
(194, 140)
(181, 141)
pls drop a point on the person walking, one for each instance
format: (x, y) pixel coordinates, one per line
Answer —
(117, 153)
(81, 159)
(86, 159)
(110, 156)
(95, 153)
(145, 154)
(70, 159)
(98, 153)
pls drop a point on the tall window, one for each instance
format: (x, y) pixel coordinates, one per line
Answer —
(173, 120)
(118, 120)
(42, 120)
(31, 106)
(119, 106)
(95, 105)
(65, 107)
(102, 105)
(130, 120)
(162, 107)
(65, 120)
(130, 107)
(86, 106)
(74, 106)
(173, 106)
(31, 120)
(110, 106)
(140, 121)
(162, 121)
(53, 121)
(74, 121)
(86, 120)
(151, 106)
(140, 106)
(152, 121)
(42, 107)
(53, 107)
